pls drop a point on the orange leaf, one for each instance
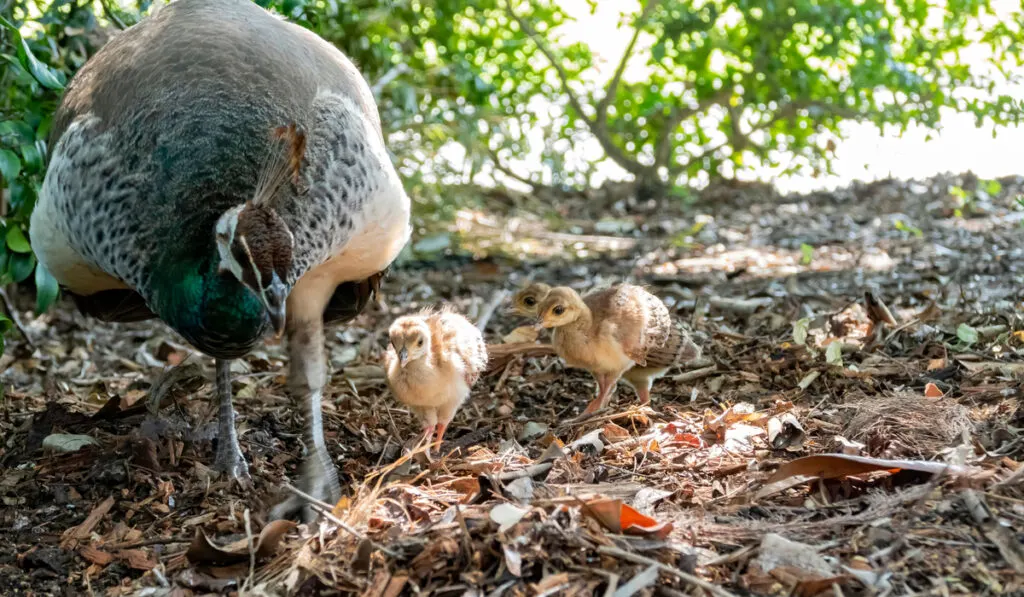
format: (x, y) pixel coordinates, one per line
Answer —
(620, 518)
(687, 438)
(932, 391)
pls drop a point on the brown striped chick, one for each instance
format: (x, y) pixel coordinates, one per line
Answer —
(623, 332)
(433, 361)
(527, 301)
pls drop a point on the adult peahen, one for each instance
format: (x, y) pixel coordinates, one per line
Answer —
(225, 171)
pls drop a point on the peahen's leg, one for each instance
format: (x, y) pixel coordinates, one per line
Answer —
(307, 377)
(229, 457)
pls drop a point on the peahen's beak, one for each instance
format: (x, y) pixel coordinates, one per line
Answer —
(275, 297)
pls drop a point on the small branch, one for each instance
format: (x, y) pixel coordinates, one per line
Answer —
(613, 84)
(596, 128)
(13, 313)
(113, 17)
(325, 510)
(393, 73)
(689, 578)
(500, 167)
(489, 309)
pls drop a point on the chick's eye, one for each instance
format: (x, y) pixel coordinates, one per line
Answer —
(530, 301)
(420, 343)
(558, 310)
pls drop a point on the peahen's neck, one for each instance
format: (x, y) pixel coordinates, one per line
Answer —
(213, 311)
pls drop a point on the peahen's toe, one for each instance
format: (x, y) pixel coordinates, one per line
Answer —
(317, 479)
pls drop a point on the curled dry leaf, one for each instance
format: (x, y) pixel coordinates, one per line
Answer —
(617, 517)
(932, 391)
(784, 431)
(204, 551)
(834, 466)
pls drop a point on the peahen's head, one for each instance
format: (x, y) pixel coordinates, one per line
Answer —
(255, 246)
(253, 242)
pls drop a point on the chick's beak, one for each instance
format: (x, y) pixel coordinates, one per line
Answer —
(275, 297)
(403, 356)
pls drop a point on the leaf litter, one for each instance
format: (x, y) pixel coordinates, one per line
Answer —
(877, 381)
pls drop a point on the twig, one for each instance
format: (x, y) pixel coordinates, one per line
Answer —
(530, 471)
(1008, 545)
(252, 552)
(638, 559)
(393, 73)
(490, 308)
(696, 374)
(325, 510)
(13, 314)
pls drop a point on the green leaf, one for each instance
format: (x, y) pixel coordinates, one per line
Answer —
(966, 334)
(10, 165)
(16, 240)
(6, 325)
(800, 330)
(807, 254)
(20, 266)
(993, 188)
(47, 77)
(47, 289)
(834, 353)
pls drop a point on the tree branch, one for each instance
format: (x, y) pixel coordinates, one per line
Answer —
(500, 167)
(599, 131)
(663, 148)
(613, 84)
(785, 111)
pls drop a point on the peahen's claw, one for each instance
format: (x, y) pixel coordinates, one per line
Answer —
(230, 461)
(317, 478)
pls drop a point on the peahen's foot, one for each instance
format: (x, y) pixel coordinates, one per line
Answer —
(230, 461)
(229, 458)
(318, 479)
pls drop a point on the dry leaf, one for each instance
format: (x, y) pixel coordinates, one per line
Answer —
(614, 433)
(525, 333)
(620, 518)
(932, 391)
(834, 466)
(204, 551)
(507, 516)
(784, 431)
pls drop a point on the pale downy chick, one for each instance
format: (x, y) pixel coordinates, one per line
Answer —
(433, 361)
(527, 301)
(623, 332)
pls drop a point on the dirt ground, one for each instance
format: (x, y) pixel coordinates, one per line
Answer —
(711, 490)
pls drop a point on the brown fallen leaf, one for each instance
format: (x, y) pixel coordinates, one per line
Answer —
(614, 433)
(834, 466)
(204, 551)
(620, 518)
(932, 391)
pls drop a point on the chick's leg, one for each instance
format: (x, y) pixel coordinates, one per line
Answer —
(229, 458)
(605, 386)
(307, 376)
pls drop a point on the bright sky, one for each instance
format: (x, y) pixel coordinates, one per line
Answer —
(865, 154)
